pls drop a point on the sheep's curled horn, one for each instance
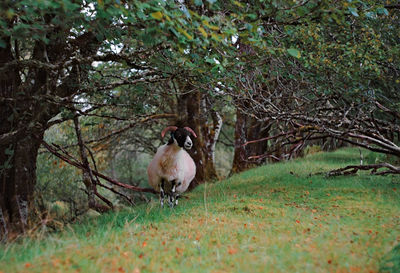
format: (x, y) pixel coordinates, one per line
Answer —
(173, 128)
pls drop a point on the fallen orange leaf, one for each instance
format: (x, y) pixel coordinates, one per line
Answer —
(232, 251)
(179, 250)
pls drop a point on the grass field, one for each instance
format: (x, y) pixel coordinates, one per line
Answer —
(274, 218)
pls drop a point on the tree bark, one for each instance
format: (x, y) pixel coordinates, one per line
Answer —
(248, 129)
(88, 176)
(17, 155)
(17, 185)
(194, 110)
(240, 162)
(17, 167)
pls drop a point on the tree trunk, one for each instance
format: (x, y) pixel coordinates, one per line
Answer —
(24, 113)
(255, 131)
(240, 162)
(195, 111)
(17, 156)
(247, 129)
(17, 184)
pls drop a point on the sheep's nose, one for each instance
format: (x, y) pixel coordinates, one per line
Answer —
(188, 144)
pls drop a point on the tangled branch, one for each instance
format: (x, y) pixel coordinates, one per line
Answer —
(70, 160)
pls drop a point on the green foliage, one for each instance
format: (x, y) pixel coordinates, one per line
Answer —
(352, 53)
(294, 52)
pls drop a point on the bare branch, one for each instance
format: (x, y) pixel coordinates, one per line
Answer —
(88, 178)
(353, 169)
(79, 165)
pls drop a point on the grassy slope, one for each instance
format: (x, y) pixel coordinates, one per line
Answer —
(263, 220)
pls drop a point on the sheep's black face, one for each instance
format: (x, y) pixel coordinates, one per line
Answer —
(182, 138)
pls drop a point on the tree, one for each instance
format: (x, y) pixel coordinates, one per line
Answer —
(62, 60)
(48, 55)
(332, 74)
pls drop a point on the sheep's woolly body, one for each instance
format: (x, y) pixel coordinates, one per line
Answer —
(171, 163)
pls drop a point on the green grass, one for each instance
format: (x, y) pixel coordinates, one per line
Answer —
(274, 218)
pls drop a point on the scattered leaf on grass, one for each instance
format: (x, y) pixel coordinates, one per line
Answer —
(232, 250)
(179, 250)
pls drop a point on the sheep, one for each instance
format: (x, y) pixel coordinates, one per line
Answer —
(172, 169)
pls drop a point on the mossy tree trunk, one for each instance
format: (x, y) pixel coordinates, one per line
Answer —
(249, 155)
(194, 109)
(28, 100)
(21, 131)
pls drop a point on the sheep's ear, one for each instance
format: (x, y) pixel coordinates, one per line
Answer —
(171, 140)
(191, 131)
(169, 128)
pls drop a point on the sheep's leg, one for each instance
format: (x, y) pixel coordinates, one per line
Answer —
(162, 193)
(177, 195)
(172, 198)
(171, 201)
